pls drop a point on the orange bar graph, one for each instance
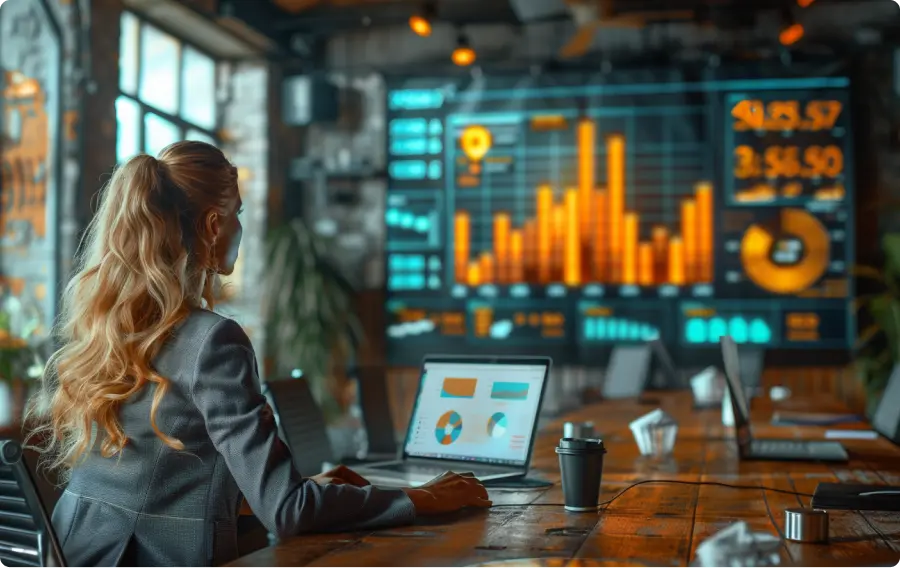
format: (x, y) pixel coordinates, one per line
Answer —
(586, 168)
(572, 246)
(583, 234)
(502, 224)
(676, 262)
(615, 157)
(629, 249)
(689, 237)
(660, 238)
(530, 244)
(516, 259)
(544, 231)
(704, 231)
(486, 263)
(646, 265)
(461, 240)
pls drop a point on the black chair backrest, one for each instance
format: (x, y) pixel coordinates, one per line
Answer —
(376, 410)
(26, 534)
(302, 424)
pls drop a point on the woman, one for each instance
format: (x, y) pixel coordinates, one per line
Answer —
(152, 409)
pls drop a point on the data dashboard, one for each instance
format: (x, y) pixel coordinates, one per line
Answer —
(557, 214)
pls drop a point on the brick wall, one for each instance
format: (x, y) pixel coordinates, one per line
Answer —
(245, 133)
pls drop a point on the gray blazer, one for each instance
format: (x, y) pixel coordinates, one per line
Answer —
(179, 508)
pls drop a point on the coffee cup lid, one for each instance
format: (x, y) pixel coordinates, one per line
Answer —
(583, 444)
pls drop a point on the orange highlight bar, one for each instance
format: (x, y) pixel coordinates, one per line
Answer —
(660, 238)
(645, 264)
(615, 158)
(676, 262)
(544, 232)
(458, 388)
(586, 141)
(502, 226)
(531, 250)
(689, 237)
(572, 251)
(559, 237)
(601, 236)
(629, 253)
(704, 231)
(545, 122)
(516, 264)
(487, 268)
(461, 240)
(474, 274)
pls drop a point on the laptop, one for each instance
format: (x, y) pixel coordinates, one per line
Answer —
(628, 372)
(761, 449)
(471, 414)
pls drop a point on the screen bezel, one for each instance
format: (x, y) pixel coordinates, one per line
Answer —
(740, 408)
(546, 362)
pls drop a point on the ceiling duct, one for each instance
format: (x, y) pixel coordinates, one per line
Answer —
(537, 10)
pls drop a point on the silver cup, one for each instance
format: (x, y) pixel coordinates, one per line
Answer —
(578, 430)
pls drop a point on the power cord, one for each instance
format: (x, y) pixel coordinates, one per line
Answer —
(668, 481)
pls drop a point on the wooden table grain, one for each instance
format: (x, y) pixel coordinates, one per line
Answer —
(650, 525)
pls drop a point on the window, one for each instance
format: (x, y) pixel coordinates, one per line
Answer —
(168, 90)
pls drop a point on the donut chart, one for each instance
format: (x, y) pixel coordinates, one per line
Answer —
(790, 260)
(448, 428)
(497, 425)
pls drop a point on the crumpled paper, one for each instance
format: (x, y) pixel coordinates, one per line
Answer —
(737, 545)
(708, 386)
(655, 433)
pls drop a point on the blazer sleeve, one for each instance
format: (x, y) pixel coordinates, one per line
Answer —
(225, 389)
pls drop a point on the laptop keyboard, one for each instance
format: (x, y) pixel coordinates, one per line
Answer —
(434, 470)
(781, 447)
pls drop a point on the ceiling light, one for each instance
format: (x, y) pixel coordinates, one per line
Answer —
(463, 55)
(420, 22)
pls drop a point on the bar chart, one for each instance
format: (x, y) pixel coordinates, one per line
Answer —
(566, 213)
(585, 233)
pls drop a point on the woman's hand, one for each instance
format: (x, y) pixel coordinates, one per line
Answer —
(447, 493)
(341, 475)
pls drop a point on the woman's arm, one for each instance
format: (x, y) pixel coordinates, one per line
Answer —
(225, 388)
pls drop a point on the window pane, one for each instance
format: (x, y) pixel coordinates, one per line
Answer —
(128, 115)
(128, 53)
(200, 137)
(160, 54)
(158, 133)
(198, 89)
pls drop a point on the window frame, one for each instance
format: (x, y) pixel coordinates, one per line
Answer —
(183, 125)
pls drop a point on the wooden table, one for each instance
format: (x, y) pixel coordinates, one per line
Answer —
(652, 525)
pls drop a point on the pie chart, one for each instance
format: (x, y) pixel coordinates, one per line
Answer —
(496, 427)
(448, 428)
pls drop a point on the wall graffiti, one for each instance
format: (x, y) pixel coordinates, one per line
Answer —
(30, 123)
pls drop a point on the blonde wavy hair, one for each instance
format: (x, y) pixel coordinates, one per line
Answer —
(147, 259)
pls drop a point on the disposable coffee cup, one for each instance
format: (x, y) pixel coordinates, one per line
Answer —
(581, 469)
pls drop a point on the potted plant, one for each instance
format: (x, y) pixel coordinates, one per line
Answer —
(311, 326)
(19, 360)
(878, 346)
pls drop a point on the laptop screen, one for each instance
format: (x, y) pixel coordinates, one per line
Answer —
(477, 411)
(739, 403)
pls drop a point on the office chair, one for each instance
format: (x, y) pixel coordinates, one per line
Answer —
(301, 423)
(26, 534)
(376, 412)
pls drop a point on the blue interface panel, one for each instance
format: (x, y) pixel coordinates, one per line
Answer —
(556, 214)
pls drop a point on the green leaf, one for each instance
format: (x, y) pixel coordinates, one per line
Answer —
(308, 304)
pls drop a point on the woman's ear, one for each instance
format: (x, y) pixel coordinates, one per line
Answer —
(213, 224)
